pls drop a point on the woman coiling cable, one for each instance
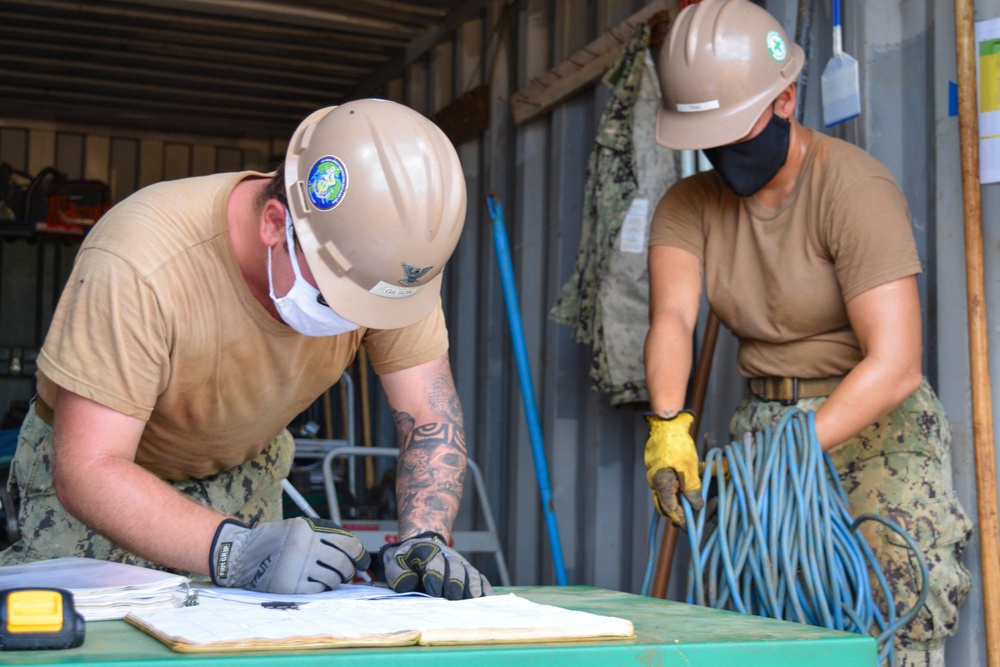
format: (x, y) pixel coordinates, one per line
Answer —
(803, 247)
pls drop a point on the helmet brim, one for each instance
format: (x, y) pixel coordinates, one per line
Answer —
(716, 127)
(690, 131)
(358, 305)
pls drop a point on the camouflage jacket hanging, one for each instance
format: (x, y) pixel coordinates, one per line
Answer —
(605, 300)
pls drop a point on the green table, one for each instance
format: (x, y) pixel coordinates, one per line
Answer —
(666, 633)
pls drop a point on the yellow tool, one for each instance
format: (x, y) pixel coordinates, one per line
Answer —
(39, 619)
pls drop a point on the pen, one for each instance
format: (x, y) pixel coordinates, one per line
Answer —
(279, 604)
(363, 575)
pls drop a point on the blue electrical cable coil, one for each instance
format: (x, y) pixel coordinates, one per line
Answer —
(777, 538)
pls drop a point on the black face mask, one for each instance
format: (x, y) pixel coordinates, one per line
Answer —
(747, 166)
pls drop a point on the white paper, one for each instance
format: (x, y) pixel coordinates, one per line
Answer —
(101, 590)
(632, 237)
(498, 618)
(988, 75)
(342, 592)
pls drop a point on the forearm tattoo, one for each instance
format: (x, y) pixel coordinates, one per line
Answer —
(432, 462)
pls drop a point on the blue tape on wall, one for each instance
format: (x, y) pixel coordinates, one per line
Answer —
(952, 98)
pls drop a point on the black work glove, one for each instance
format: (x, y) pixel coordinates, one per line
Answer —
(299, 555)
(426, 563)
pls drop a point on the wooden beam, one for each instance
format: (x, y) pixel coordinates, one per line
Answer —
(586, 66)
(979, 330)
(213, 12)
(467, 116)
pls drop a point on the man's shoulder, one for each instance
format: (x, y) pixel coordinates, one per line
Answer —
(191, 185)
(163, 220)
(164, 200)
(834, 155)
(705, 186)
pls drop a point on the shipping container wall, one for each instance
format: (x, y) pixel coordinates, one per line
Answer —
(538, 169)
(34, 265)
(906, 52)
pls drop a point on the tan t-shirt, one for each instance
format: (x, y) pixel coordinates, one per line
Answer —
(780, 278)
(157, 322)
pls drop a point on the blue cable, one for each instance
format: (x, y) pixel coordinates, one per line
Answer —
(777, 538)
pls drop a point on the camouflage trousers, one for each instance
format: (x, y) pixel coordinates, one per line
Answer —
(248, 492)
(900, 468)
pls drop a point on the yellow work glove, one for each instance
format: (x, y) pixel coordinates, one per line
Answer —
(672, 464)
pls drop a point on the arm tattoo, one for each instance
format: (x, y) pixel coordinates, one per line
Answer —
(444, 399)
(404, 425)
(432, 463)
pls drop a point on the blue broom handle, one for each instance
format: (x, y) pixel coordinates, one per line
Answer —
(838, 35)
(524, 375)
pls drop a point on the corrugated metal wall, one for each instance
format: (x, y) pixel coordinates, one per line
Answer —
(34, 267)
(600, 497)
(907, 55)
(599, 493)
(906, 50)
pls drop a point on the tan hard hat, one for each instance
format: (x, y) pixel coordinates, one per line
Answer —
(377, 198)
(721, 65)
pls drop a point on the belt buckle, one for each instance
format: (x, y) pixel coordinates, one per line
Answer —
(795, 391)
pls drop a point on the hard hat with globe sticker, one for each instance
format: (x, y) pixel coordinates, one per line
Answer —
(377, 198)
(327, 183)
(722, 63)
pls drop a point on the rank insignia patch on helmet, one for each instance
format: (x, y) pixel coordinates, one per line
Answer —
(413, 274)
(327, 183)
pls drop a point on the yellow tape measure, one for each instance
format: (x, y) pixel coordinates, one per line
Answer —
(39, 619)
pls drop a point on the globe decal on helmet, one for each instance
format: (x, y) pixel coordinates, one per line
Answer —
(327, 183)
(776, 46)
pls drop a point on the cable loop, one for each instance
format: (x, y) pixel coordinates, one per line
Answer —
(776, 538)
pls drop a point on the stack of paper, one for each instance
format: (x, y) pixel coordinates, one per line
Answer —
(101, 590)
(218, 624)
(341, 593)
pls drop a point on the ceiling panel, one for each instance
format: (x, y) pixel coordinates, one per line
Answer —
(237, 68)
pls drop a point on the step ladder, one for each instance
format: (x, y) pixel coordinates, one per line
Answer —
(375, 534)
(318, 448)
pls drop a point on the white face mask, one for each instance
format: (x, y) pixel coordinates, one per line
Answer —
(302, 308)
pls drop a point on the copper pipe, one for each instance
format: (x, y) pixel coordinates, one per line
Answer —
(982, 402)
(703, 370)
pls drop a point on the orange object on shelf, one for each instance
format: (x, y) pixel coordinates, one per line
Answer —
(77, 203)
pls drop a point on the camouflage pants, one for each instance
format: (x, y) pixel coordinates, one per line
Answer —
(249, 492)
(900, 468)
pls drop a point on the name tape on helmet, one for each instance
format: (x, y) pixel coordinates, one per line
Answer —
(391, 291)
(698, 106)
(327, 183)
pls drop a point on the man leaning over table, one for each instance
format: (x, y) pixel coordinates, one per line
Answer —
(204, 314)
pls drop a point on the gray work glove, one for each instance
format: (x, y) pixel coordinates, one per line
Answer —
(298, 555)
(426, 563)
